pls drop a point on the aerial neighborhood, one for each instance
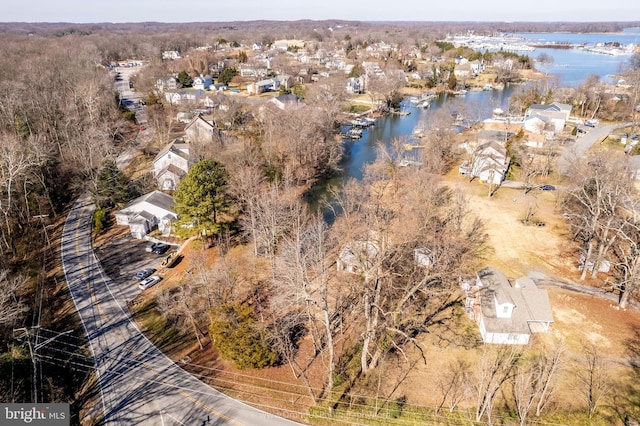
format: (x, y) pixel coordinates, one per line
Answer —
(328, 221)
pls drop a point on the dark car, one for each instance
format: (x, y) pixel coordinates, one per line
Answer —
(547, 188)
(144, 273)
(160, 248)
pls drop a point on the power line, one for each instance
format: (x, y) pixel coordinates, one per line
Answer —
(412, 409)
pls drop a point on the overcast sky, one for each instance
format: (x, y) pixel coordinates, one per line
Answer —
(81, 11)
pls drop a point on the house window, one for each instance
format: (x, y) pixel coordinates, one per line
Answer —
(505, 310)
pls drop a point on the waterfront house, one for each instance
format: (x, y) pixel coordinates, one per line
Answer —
(556, 113)
(357, 257)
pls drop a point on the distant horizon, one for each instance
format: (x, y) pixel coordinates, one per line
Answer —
(636, 23)
(198, 11)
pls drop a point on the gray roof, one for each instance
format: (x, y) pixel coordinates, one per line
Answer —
(156, 198)
(177, 147)
(536, 300)
(531, 303)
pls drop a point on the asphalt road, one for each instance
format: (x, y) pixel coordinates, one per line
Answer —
(138, 383)
(585, 142)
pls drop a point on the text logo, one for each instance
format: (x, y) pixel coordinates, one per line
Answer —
(34, 414)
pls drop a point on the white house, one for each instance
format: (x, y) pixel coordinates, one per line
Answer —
(535, 123)
(171, 164)
(506, 314)
(170, 54)
(200, 130)
(557, 113)
(184, 96)
(490, 163)
(147, 212)
(202, 82)
(285, 101)
(170, 83)
(357, 257)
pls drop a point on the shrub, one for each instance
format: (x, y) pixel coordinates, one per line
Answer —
(99, 220)
(236, 335)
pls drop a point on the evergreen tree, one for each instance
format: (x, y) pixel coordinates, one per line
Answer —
(202, 194)
(227, 75)
(185, 79)
(236, 335)
(112, 187)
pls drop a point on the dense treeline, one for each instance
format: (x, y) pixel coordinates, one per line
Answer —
(59, 121)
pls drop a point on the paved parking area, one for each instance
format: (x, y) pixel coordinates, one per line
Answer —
(121, 259)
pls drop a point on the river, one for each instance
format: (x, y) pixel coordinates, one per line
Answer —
(570, 66)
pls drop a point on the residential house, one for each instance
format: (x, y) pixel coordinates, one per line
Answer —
(170, 54)
(357, 257)
(147, 212)
(184, 96)
(261, 86)
(490, 163)
(171, 164)
(355, 85)
(168, 84)
(285, 101)
(506, 314)
(463, 70)
(557, 113)
(200, 130)
(271, 84)
(284, 81)
(202, 82)
(536, 123)
(477, 67)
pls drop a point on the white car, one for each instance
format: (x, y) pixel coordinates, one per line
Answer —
(149, 282)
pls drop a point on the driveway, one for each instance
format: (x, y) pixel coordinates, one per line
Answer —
(138, 384)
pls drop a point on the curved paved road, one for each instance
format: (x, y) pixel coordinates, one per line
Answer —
(585, 142)
(138, 383)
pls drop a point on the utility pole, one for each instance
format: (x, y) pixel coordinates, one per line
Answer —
(33, 351)
(33, 360)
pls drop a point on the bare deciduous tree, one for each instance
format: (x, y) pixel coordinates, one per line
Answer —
(599, 190)
(592, 380)
(534, 381)
(11, 306)
(454, 384)
(494, 369)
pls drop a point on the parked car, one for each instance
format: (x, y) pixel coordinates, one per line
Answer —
(591, 123)
(144, 273)
(160, 248)
(547, 188)
(149, 282)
